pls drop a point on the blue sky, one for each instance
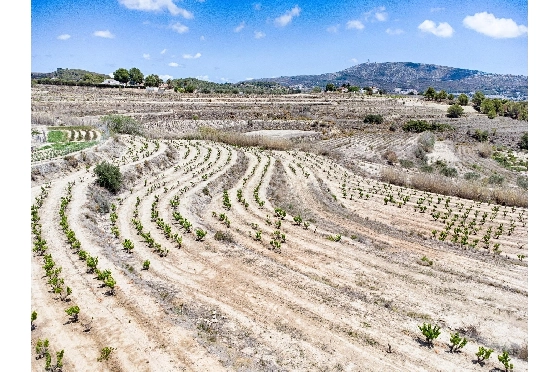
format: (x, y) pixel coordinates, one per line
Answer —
(230, 41)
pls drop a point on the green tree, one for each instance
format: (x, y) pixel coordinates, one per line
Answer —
(430, 93)
(463, 100)
(450, 97)
(455, 111)
(330, 87)
(136, 76)
(477, 100)
(317, 90)
(108, 176)
(441, 95)
(487, 107)
(121, 75)
(152, 81)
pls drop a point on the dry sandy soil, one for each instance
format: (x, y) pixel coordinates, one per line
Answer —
(234, 302)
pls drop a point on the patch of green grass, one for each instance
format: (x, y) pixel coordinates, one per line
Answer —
(57, 136)
(60, 149)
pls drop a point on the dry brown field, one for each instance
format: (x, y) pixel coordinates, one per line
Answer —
(311, 260)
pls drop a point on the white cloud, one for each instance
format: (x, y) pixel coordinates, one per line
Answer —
(353, 60)
(63, 37)
(381, 15)
(163, 51)
(156, 6)
(257, 6)
(202, 77)
(190, 56)
(433, 10)
(378, 13)
(240, 27)
(173, 64)
(249, 78)
(259, 35)
(225, 80)
(441, 30)
(499, 28)
(333, 29)
(355, 24)
(286, 18)
(165, 77)
(202, 38)
(396, 31)
(106, 34)
(179, 27)
(146, 56)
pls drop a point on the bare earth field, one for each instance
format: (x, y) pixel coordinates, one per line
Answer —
(343, 289)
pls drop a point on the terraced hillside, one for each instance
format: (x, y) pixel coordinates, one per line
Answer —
(221, 257)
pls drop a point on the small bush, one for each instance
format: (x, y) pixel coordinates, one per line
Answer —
(471, 176)
(480, 135)
(485, 150)
(496, 179)
(523, 182)
(405, 163)
(426, 168)
(122, 124)
(373, 119)
(108, 176)
(524, 141)
(391, 157)
(455, 111)
(418, 126)
(448, 171)
(223, 236)
(427, 141)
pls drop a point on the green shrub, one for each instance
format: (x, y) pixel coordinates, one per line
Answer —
(418, 126)
(471, 176)
(463, 100)
(373, 119)
(505, 360)
(427, 168)
(430, 332)
(448, 171)
(523, 182)
(496, 179)
(455, 111)
(122, 124)
(457, 342)
(108, 176)
(405, 163)
(480, 135)
(524, 141)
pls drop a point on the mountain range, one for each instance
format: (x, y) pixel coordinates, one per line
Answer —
(414, 76)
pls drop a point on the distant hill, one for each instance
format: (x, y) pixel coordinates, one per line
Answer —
(418, 76)
(69, 74)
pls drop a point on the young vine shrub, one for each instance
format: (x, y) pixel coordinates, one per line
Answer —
(505, 360)
(483, 354)
(430, 332)
(457, 342)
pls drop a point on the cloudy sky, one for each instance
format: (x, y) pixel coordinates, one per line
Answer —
(230, 41)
